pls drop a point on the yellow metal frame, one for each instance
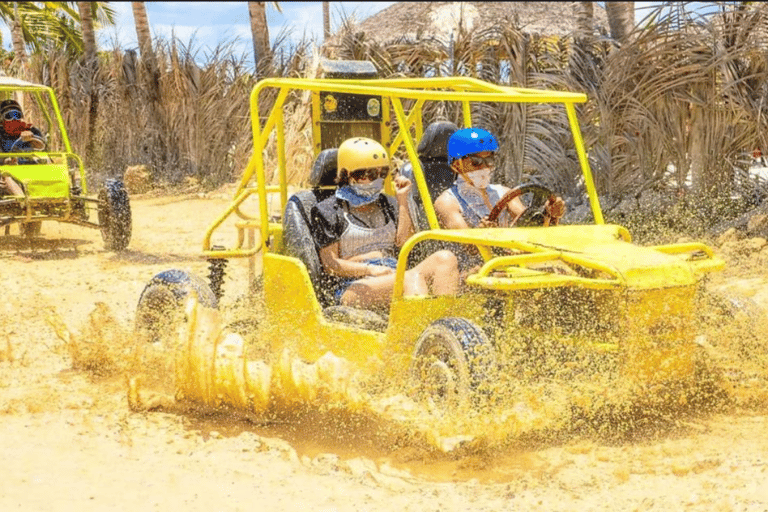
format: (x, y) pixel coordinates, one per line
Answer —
(464, 90)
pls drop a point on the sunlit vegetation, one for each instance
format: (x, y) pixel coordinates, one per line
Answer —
(674, 109)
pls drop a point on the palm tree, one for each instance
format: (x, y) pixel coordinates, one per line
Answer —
(86, 27)
(326, 21)
(584, 13)
(260, 31)
(91, 65)
(621, 19)
(146, 50)
(44, 24)
(17, 36)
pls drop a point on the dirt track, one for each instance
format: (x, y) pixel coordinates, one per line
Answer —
(69, 441)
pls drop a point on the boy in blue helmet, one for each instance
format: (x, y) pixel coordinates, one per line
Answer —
(471, 152)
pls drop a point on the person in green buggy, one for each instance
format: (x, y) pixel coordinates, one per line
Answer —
(16, 135)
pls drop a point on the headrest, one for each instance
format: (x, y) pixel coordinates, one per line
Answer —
(434, 142)
(324, 169)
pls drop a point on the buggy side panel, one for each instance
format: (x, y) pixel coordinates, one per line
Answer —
(296, 320)
(41, 180)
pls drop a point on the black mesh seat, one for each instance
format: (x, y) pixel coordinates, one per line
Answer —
(297, 236)
(433, 155)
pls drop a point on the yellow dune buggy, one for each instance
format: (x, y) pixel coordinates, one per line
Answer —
(586, 289)
(50, 182)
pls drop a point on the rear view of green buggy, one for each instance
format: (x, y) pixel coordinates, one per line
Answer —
(49, 184)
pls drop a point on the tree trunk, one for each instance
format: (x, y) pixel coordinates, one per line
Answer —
(91, 66)
(17, 36)
(621, 19)
(260, 31)
(585, 15)
(326, 21)
(145, 48)
(156, 136)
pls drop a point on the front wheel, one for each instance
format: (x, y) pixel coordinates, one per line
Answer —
(115, 216)
(453, 363)
(161, 307)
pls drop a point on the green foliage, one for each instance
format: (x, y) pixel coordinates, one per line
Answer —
(56, 25)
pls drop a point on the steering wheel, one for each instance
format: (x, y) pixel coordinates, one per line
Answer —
(21, 145)
(532, 214)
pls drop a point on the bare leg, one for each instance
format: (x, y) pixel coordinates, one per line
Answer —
(438, 272)
(441, 271)
(369, 292)
(11, 187)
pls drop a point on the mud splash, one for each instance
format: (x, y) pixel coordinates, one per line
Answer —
(329, 406)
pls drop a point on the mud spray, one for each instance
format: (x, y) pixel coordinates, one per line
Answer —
(226, 373)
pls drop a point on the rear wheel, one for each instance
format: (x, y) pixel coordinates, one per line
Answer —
(115, 215)
(161, 308)
(453, 363)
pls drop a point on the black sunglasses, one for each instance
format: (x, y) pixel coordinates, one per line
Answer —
(478, 161)
(371, 174)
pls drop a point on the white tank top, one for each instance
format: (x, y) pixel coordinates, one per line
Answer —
(356, 239)
(473, 208)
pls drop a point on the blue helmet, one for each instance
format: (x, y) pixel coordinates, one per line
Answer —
(468, 141)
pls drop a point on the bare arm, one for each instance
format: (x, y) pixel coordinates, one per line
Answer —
(404, 222)
(335, 265)
(448, 212)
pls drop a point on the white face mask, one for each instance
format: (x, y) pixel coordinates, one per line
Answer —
(479, 179)
(369, 190)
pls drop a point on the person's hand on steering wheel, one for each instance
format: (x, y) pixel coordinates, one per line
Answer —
(554, 209)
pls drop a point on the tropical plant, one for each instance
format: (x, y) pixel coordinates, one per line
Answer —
(45, 25)
(260, 31)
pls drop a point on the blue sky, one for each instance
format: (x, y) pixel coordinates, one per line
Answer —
(211, 23)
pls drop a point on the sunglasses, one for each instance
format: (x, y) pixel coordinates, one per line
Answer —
(12, 114)
(371, 174)
(480, 161)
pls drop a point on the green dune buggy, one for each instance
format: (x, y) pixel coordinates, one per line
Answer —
(51, 182)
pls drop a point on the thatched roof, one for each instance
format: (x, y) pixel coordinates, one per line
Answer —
(440, 19)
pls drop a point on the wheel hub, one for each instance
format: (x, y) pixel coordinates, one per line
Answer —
(439, 380)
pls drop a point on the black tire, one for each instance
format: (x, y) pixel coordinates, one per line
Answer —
(115, 216)
(453, 363)
(30, 229)
(161, 307)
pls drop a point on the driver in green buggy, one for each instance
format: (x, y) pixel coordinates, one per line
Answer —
(16, 135)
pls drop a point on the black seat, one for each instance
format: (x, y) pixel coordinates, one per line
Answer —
(297, 236)
(433, 156)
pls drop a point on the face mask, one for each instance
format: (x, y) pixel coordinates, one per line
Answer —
(369, 190)
(359, 195)
(479, 179)
(14, 127)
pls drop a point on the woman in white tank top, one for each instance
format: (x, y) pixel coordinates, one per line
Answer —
(359, 231)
